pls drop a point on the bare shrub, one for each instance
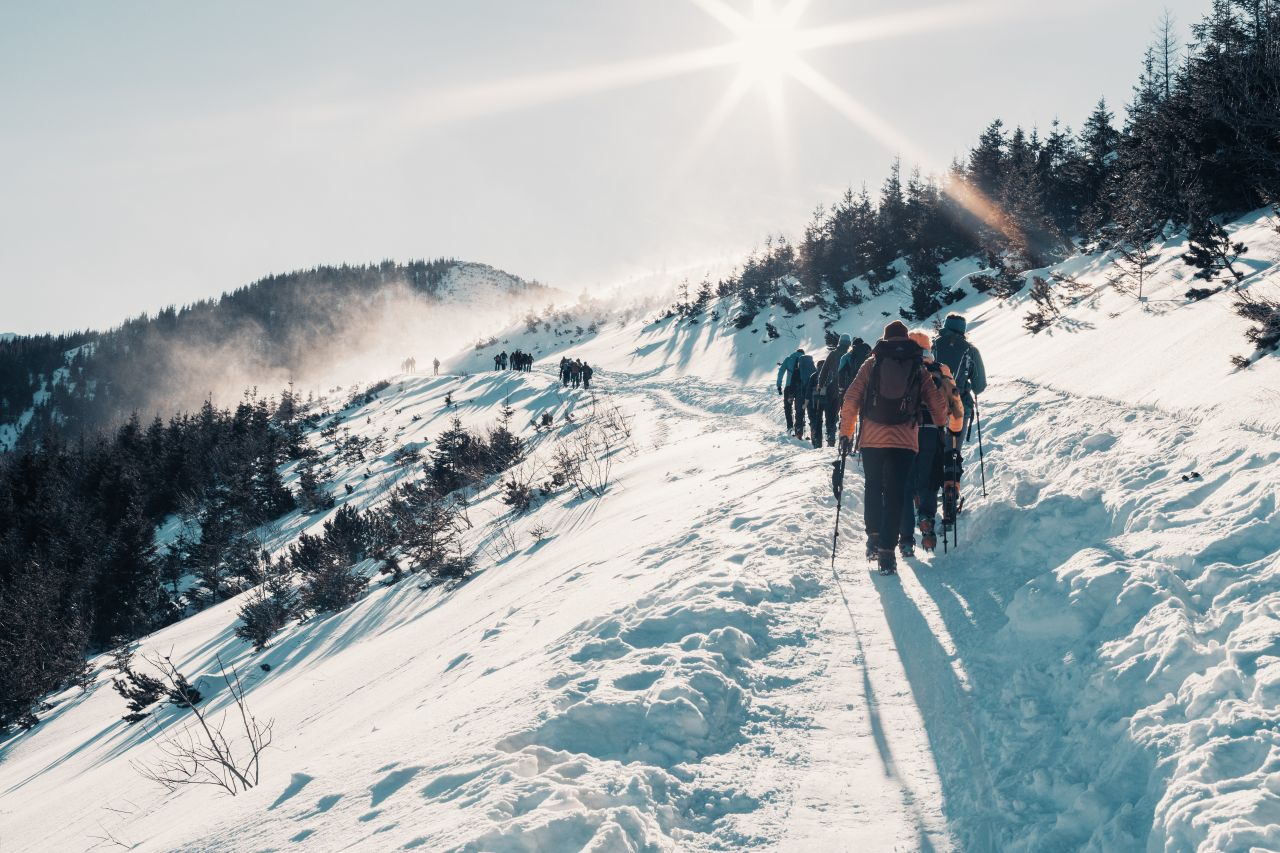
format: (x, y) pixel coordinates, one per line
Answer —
(203, 753)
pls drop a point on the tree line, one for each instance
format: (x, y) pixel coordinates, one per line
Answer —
(1201, 140)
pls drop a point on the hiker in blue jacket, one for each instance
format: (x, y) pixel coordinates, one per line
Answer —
(794, 369)
(962, 358)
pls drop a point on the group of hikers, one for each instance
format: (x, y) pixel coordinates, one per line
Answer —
(517, 360)
(575, 372)
(410, 365)
(906, 405)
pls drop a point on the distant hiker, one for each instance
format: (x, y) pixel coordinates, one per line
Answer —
(924, 479)
(804, 372)
(564, 370)
(882, 406)
(953, 349)
(787, 377)
(851, 363)
(497, 362)
(575, 373)
(828, 390)
(587, 373)
(435, 367)
(814, 403)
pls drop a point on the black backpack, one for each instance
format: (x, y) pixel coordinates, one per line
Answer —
(953, 351)
(857, 355)
(893, 389)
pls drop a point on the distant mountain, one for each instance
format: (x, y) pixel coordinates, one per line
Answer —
(324, 324)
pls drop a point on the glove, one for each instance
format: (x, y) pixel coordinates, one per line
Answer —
(779, 390)
(846, 445)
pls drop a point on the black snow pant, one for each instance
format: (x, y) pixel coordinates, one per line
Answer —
(828, 409)
(815, 422)
(922, 490)
(789, 406)
(885, 471)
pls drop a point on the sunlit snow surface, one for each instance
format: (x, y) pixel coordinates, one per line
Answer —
(675, 666)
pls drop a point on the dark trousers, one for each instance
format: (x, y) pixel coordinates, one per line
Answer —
(789, 405)
(801, 408)
(825, 409)
(885, 471)
(815, 421)
(922, 494)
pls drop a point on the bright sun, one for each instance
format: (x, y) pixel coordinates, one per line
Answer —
(767, 46)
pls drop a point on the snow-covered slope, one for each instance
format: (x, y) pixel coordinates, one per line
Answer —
(674, 664)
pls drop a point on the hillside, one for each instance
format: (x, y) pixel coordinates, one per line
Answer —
(300, 327)
(673, 664)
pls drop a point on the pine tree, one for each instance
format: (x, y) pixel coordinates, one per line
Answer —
(327, 580)
(1211, 250)
(268, 607)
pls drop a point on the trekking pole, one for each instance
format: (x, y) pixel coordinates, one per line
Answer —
(982, 463)
(839, 479)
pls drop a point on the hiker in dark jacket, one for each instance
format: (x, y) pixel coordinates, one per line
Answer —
(787, 377)
(814, 403)
(962, 358)
(882, 406)
(803, 374)
(827, 390)
(851, 363)
(587, 373)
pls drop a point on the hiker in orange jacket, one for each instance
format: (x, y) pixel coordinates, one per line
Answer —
(883, 406)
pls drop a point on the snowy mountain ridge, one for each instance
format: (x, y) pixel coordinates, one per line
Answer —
(674, 665)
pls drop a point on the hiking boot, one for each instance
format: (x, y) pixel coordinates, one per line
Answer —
(907, 548)
(888, 562)
(873, 550)
(831, 442)
(928, 538)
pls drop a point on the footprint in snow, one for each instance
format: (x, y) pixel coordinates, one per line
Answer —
(391, 783)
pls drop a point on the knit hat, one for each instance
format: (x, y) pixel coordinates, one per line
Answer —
(896, 329)
(955, 323)
(921, 337)
(844, 341)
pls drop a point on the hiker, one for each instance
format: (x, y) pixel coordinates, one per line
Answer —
(851, 363)
(575, 373)
(587, 373)
(953, 349)
(813, 402)
(924, 480)
(883, 406)
(564, 370)
(435, 366)
(802, 374)
(789, 403)
(828, 390)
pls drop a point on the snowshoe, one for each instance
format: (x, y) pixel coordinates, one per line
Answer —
(888, 563)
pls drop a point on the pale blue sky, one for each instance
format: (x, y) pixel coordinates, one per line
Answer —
(162, 152)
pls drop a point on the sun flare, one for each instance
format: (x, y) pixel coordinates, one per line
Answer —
(767, 46)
